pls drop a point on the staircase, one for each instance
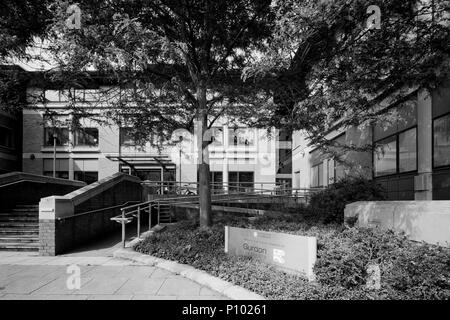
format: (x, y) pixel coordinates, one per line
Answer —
(19, 229)
(164, 213)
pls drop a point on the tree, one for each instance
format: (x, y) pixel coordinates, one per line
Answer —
(328, 66)
(20, 22)
(180, 61)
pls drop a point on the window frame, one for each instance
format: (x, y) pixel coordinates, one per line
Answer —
(76, 137)
(12, 138)
(397, 154)
(231, 134)
(57, 145)
(432, 142)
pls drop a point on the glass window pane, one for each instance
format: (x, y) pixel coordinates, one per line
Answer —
(61, 135)
(314, 176)
(442, 141)
(217, 136)
(284, 161)
(385, 157)
(126, 137)
(86, 137)
(6, 137)
(407, 152)
(241, 137)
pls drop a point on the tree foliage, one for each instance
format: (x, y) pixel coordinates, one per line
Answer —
(328, 70)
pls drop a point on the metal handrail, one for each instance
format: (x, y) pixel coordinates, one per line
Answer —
(128, 213)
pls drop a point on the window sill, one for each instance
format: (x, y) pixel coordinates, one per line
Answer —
(85, 149)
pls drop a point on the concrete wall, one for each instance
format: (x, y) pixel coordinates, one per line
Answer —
(70, 220)
(22, 188)
(427, 221)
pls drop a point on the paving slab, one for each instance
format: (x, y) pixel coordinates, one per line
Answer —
(140, 287)
(152, 297)
(179, 287)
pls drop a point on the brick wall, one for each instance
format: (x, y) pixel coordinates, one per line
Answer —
(47, 237)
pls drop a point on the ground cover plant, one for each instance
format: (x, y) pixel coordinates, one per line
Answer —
(409, 270)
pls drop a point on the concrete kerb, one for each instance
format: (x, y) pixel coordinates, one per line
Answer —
(225, 288)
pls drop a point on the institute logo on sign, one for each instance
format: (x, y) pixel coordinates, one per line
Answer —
(278, 256)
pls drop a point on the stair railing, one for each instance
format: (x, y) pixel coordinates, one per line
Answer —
(134, 211)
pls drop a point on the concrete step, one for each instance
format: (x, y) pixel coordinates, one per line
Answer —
(12, 218)
(20, 214)
(29, 225)
(19, 246)
(19, 231)
(18, 239)
(19, 210)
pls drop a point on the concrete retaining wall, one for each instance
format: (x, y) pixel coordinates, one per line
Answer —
(68, 221)
(427, 221)
(24, 188)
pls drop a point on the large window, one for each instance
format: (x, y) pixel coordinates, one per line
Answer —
(241, 137)
(60, 134)
(441, 141)
(385, 156)
(407, 151)
(86, 170)
(284, 161)
(217, 136)
(86, 137)
(86, 176)
(61, 168)
(317, 175)
(6, 137)
(396, 154)
(216, 180)
(126, 137)
(241, 181)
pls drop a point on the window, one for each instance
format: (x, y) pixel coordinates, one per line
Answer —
(217, 180)
(385, 156)
(241, 181)
(441, 141)
(407, 151)
(86, 170)
(217, 136)
(396, 154)
(284, 161)
(61, 168)
(284, 135)
(61, 135)
(58, 174)
(126, 137)
(241, 137)
(86, 176)
(317, 176)
(6, 137)
(86, 137)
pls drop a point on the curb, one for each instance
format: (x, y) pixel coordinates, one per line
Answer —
(225, 288)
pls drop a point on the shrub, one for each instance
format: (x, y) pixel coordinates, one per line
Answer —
(409, 270)
(329, 204)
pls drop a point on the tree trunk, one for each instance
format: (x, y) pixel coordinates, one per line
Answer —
(204, 187)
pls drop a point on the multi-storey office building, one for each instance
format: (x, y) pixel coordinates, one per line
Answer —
(410, 158)
(238, 155)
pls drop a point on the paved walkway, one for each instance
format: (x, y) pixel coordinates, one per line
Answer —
(25, 275)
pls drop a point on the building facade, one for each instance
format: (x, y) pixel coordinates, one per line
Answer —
(238, 155)
(410, 158)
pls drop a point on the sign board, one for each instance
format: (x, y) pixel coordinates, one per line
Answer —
(288, 252)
